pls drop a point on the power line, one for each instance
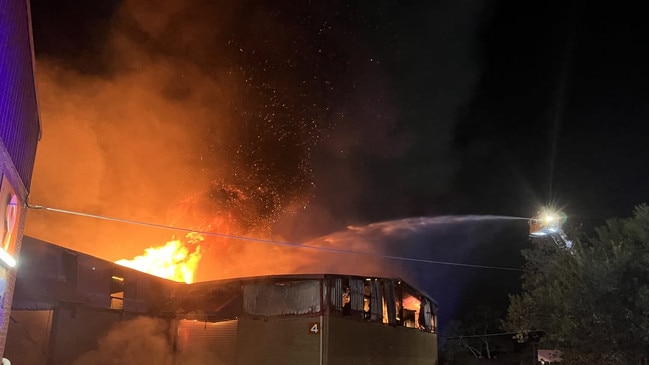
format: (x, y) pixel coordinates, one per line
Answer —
(267, 241)
(484, 335)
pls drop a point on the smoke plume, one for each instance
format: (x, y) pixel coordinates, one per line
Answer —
(279, 120)
(139, 341)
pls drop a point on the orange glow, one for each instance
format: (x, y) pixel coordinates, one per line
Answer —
(411, 303)
(176, 260)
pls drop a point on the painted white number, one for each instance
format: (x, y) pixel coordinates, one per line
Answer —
(315, 328)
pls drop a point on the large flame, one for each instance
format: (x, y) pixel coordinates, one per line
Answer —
(176, 260)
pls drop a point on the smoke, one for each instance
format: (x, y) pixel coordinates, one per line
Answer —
(456, 260)
(397, 248)
(195, 121)
(141, 341)
(281, 120)
(393, 156)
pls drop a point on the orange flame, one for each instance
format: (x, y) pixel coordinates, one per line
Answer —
(175, 260)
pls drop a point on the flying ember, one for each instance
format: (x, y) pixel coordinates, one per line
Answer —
(177, 260)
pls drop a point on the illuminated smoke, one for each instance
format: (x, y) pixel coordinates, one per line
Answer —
(283, 121)
(207, 122)
(372, 250)
(141, 341)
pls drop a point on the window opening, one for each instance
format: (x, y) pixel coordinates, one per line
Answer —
(117, 292)
(389, 302)
(346, 300)
(341, 295)
(372, 300)
(366, 299)
(411, 309)
(427, 317)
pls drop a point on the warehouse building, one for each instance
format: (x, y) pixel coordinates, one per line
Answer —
(67, 306)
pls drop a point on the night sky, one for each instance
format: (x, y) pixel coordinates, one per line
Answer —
(293, 120)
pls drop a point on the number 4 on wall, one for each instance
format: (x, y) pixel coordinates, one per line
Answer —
(314, 328)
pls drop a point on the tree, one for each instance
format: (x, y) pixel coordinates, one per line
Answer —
(591, 300)
(475, 336)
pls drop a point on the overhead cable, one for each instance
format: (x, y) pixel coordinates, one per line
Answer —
(268, 241)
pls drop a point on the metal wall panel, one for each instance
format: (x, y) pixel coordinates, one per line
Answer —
(336, 293)
(376, 300)
(279, 341)
(206, 342)
(281, 298)
(136, 292)
(357, 294)
(19, 123)
(355, 342)
(76, 331)
(29, 337)
(94, 277)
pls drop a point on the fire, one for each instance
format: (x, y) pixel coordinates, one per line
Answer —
(176, 260)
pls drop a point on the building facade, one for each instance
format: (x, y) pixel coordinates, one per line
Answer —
(19, 135)
(72, 308)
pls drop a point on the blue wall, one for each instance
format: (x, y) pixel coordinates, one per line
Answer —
(19, 123)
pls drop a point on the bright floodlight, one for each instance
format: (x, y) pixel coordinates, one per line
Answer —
(546, 222)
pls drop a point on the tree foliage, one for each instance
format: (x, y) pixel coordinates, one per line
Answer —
(591, 300)
(473, 336)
